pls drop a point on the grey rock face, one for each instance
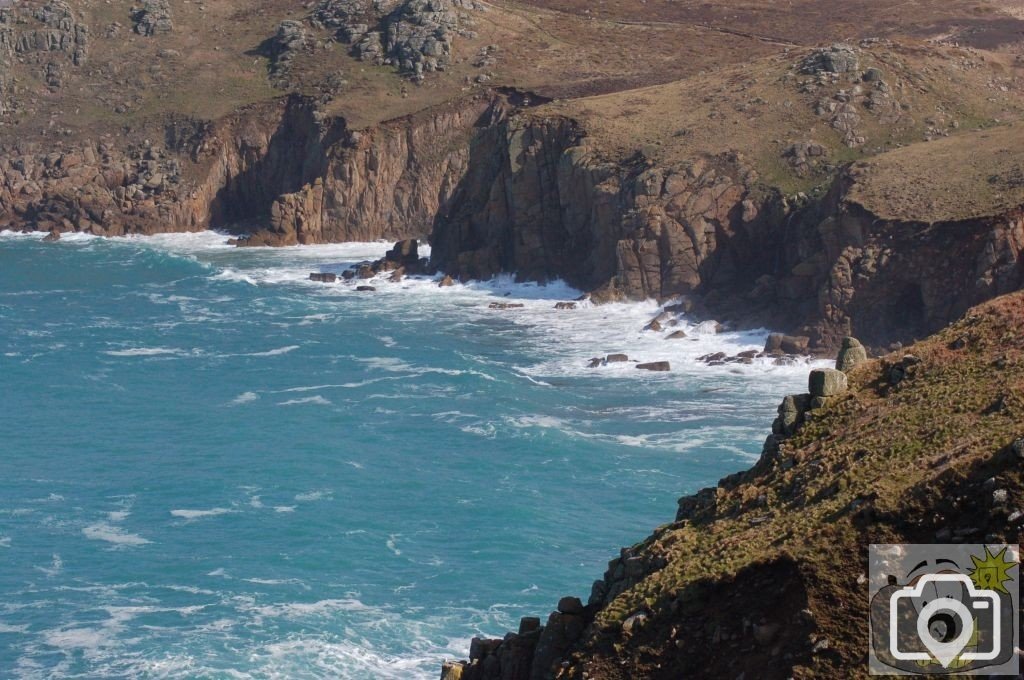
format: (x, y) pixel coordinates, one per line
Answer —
(60, 32)
(827, 382)
(153, 17)
(791, 413)
(851, 354)
(282, 49)
(414, 35)
(836, 58)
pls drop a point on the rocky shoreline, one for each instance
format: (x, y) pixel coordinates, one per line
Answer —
(536, 651)
(498, 188)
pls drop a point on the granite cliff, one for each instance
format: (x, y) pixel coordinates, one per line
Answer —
(866, 214)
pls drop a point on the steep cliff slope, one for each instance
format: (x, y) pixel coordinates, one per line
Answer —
(765, 575)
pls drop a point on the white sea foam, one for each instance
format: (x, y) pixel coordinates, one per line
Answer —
(199, 514)
(318, 400)
(302, 610)
(102, 531)
(52, 498)
(78, 638)
(148, 352)
(7, 628)
(5, 541)
(274, 352)
(244, 398)
(284, 508)
(391, 543)
(55, 567)
(311, 496)
(278, 582)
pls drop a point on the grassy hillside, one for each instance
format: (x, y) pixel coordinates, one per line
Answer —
(783, 548)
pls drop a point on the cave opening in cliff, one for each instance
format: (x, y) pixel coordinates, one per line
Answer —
(904, 316)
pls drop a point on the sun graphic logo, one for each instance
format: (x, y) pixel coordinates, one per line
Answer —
(992, 572)
(944, 609)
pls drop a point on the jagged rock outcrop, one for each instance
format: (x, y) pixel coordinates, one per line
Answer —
(542, 204)
(416, 36)
(838, 58)
(389, 182)
(288, 42)
(280, 171)
(152, 18)
(60, 31)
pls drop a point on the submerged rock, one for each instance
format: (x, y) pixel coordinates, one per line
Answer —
(659, 366)
(777, 343)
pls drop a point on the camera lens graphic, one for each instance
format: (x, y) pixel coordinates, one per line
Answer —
(937, 628)
(943, 626)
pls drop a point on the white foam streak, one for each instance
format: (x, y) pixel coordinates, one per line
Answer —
(103, 531)
(200, 514)
(244, 398)
(317, 400)
(274, 352)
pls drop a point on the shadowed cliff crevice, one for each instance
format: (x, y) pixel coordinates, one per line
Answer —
(295, 154)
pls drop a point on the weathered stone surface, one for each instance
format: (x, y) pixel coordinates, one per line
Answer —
(851, 354)
(570, 605)
(506, 305)
(791, 414)
(559, 633)
(658, 366)
(289, 40)
(446, 282)
(153, 17)
(837, 58)
(323, 277)
(827, 382)
(452, 670)
(616, 358)
(565, 305)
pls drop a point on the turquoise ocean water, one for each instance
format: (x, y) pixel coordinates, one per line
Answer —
(211, 467)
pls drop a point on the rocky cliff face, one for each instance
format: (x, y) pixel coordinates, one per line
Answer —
(280, 171)
(498, 188)
(541, 203)
(388, 182)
